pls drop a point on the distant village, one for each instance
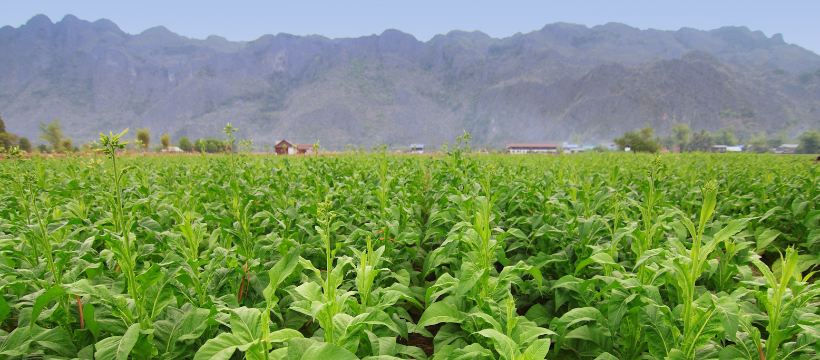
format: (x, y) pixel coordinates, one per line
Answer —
(567, 148)
(284, 147)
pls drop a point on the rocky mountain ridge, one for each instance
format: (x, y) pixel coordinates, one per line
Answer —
(546, 85)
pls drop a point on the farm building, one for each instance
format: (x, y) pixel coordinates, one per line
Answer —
(283, 148)
(531, 148)
(173, 149)
(786, 149)
(417, 148)
(304, 148)
(738, 148)
(717, 148)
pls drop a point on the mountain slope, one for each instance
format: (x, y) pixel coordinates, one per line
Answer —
(545, 85)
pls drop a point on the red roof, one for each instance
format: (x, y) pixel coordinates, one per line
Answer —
(532, 146)
(304, 146)
(282, 144)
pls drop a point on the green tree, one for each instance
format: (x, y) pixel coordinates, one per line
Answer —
(42, 148)
(53, 133)
(68, 144)
(211, 148)
(165, 139)
(7, 140)
(758, 144)
(809, 142)
(185, 144)
(680, 135)
(144, 137)
(24, 144)
(198, 145)
(776, 141)
(726, 136)
(701, 141)
(639, 141)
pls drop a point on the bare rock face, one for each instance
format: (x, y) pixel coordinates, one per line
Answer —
(546, 85)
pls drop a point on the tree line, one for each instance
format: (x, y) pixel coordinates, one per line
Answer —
(682, 137)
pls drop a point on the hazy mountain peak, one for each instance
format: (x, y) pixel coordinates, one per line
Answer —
(39, 20)
(108, 25)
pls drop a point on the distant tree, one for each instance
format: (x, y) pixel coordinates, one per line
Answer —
(701, 141)
(53, 133)
(809, 143)
(680, 135)
(726, 136)
(42, 148)
(211, 147)
(24, 144)
(198, 147)
(144, 137)
(7, 140)
(758, 144)
(639, 141)
(166, 141)
(776, 141)
(68, 144)
(184, 144)
(157, 149)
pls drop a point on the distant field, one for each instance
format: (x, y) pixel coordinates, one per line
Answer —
(454, 256)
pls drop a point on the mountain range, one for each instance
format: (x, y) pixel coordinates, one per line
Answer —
(559, 82)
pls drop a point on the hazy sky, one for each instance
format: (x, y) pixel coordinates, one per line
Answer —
(798, 21)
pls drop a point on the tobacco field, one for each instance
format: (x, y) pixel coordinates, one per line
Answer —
(382, 256)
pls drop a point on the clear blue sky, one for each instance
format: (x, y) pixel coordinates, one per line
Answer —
(798, 21)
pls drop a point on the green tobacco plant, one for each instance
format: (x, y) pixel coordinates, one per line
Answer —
(121, 244)
(791, 315)
(702, 316)
(250, 328)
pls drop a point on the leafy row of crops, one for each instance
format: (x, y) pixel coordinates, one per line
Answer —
(607, 256)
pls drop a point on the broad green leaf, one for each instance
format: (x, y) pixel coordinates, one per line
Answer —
(317, 350)
(505, 346)
(42, 301)
(90, 321)
(765, 237)
(606, 356)
(440, 312)
(246, 324)
(601, 258)
(221, 347)
(537, 350)
(659, 335)
(284, 335)
(118, 347)
(279, 272)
